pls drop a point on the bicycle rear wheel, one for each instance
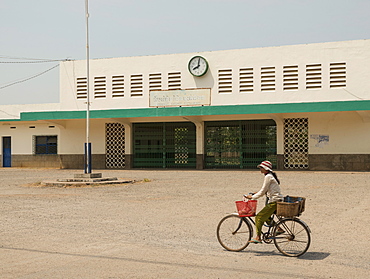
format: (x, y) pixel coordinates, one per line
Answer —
(234, 232)
(296, 239)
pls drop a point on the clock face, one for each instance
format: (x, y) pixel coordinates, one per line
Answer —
(198, 66)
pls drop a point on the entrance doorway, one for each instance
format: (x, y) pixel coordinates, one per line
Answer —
(164, 145)
(239, 144)
(7, 152)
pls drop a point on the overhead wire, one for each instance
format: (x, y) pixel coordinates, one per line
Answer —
(28, 61)
(29, 78)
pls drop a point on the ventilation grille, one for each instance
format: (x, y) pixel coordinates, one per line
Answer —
(225, 81)
(268, 79)
(174, 80)
(100, 87)
(81, 87)
(246, 80)
(118, 86)
(313, 76)
(155, 81)
(290, 77)
(337, 75)
(296, 143)
(136, 83)
(114, 145)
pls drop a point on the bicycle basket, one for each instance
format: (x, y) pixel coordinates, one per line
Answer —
(291, 206)
(246, 208)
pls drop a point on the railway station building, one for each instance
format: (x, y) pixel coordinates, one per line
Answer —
(303, 107)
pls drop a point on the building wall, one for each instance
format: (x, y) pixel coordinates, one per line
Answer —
(337, 140)
(312, 58)
(327, 72)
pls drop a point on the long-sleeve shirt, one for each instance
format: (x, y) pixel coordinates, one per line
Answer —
(271, 188)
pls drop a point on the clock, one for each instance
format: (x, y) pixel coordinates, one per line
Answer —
(198, 66)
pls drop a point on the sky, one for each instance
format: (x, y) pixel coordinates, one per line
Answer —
(36, 34)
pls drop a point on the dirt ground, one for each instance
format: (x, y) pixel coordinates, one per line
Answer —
(165, 227)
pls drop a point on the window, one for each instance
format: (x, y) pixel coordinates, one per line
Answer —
(136, 85)
(290, 77)
(99, 87)
(268, 78)
(46, 145)
(118, 86)
(174, 80)
(313, 76)
(155, 80)
(81, 87)
(338, 75)
(225, 81)
(246, 80)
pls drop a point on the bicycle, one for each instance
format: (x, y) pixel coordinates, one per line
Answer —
(234, 232)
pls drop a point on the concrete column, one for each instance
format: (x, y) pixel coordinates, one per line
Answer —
(128, 146)
(199, 128)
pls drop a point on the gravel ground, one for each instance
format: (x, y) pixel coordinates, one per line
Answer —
(166, 227)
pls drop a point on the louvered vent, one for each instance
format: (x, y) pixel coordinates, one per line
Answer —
(100, 87)
(313, 76)
(268, 79)
(81, 88)
(338, 75)
(155, 81)
(118, 86)
(245, 80)
(290, 77)
(174, 80)
(136, 83)
(225, 81)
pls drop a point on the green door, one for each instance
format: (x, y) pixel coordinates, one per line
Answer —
(239, 144)
(164, 145)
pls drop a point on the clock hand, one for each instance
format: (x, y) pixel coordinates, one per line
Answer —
(196, 67)
(198, 61)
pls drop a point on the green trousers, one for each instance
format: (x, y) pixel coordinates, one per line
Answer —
(265, 216)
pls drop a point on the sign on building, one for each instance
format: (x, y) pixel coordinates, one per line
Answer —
(187, 97)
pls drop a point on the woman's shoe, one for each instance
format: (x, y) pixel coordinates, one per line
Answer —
(255, 241)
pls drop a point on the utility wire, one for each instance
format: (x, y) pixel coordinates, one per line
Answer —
(26, 79)
(31, 60)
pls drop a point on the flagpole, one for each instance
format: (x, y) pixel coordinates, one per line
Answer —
(87, 144)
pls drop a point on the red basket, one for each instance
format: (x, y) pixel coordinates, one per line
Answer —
(246, 208)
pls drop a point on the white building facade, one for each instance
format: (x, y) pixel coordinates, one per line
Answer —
(301, 106)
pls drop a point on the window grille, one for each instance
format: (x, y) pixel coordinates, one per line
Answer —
(246, 80)
(164, 145)
(136, 84)
(174, 80)
(114, 146)
(155, 81)
(225, 81)
(100, 87)
(338, 75)
(296, 143)
(118, 86)
(268, 79)
(313, 76)
(290, 77)
(45, 144)
(81, 88)
(239, 144)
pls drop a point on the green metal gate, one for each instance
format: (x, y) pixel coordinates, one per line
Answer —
(239, 144)
(164, 145)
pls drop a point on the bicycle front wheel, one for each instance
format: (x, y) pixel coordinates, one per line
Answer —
(234, 233)
(296, 239)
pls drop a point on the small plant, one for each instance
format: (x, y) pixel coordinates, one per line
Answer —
(147, 180)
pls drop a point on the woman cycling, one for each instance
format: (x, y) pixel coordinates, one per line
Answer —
(271, 188)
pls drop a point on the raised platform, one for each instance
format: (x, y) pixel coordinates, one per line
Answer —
(86, 179)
